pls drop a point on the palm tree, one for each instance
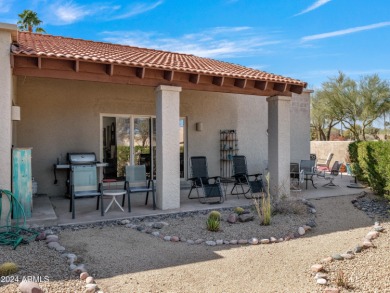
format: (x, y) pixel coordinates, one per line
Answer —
(28, 20)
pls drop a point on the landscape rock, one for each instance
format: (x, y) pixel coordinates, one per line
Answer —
(29, 287)
(53, 245)
(301, 231)
(167, 238)
(358, 249)
(84, 275)
(320, 275)
(347, 256)
(317, 268)
(233, 242)
(327, 259)
(219, 242)
(125, 222)
(253, 241)
(189, 241)
(337, 257)
(245, 218)
(175, 239)
(372, 235)
(89, 280)
(158, 225)
(332, 290)
(41, 236)
(232, 218)
(199, 241)
(264, 241)
(367, 244)
(321, 281)
(242, 241)
(211, 243)
(90, 288)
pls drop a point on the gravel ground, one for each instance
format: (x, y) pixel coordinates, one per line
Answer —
(125, 260)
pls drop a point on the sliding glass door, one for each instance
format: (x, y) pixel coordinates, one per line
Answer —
(131, 140)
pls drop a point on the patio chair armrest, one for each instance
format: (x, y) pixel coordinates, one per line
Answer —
(215, 178)
(255, 175)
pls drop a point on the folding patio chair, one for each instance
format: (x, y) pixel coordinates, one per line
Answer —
(253, 182)
(83, 182)
(200, 179)
(333, 173)
(137, 182)
(324, 164)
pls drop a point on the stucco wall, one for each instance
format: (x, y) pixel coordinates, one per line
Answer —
(60, 116)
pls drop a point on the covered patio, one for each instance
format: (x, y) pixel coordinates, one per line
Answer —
(54, 210)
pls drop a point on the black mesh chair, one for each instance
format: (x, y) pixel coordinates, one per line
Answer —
(211, 186)
(250, 184)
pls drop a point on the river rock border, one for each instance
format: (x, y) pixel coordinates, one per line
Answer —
(156, 223)
(321, 277)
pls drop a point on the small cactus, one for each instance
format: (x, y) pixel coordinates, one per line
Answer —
(215, 215)
(8, 268)
(212, 224)
(239, 210)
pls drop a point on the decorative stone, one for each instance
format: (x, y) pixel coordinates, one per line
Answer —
(53, 245)
(372, 235)
(320, 275)
(79, 269)
(358, 249)
(211, 243)
(49, 237)
(199, 241)
(313, 211)
(317, 268)
(156, 233)
(337, 257)
(245, 218)
(254, 241)
(232, 218)
(242, 241)
(226, 242)
(280, 240)
(273, 239)
(158, 225)
(189, 241)
(41, 236)
(182, 239)
(379, 229)
(60, 248)
(301, 231)
(167, 238)
(327, 259)
(306, 227)
(175, 239)
(367, 244)
(89, 280)
(233, 242)
(321, 281)
(72, 266)
(125, 222)
(347, 256)
(84, 275)
(90, 288)
(219, 242)
(264, 241)
(29, 287)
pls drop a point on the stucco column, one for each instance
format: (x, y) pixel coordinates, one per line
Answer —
(6, 33)
(279, 145)
(167, 146)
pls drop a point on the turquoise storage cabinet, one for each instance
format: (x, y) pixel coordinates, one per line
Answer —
(21, 181)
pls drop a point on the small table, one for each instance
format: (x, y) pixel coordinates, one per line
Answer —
(113, 193)
(309, 176)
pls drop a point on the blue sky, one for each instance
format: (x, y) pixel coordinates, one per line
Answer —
(309, 40)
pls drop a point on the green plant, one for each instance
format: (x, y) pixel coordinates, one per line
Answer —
(212, 224)
(8, 268)
(341, 279)
(215, 215)
(264, 209)
(239, 210)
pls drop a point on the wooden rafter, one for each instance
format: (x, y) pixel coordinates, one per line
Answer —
(241, 83)
(280, 87)
(168, 75)
(39, 63)
(194, 78)
(261, 84)
(77, 66)
(297, 89)
(110, 69)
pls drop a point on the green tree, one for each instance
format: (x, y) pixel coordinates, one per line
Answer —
(355, 104)
(28, 20)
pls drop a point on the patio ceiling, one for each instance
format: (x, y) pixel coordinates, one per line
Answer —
(66, 58)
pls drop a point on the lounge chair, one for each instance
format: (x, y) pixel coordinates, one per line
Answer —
(324, 164)
(211, 186)
(252, 183)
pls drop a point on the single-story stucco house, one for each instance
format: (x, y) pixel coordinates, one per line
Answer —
(83, 96)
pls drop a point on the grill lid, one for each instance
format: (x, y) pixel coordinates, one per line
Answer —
(82, 158)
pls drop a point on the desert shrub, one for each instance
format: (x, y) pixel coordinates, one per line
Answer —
(8, 268)
(212, 224)
(215, 215)
(264, 208)
(239, 210)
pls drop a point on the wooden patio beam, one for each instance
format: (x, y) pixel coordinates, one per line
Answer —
(77, 66)
(280, 87)
(110, 69)
(39, 62)
(261, 84)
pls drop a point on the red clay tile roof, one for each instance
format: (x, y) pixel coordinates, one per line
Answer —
(61, 47)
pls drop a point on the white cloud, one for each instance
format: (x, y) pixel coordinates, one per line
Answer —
(314, 6)
(5, 5)
(67, 13)
(345, 32)
(213, 43)
(138, 8)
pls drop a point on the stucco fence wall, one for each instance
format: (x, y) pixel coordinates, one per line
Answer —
(323, 148)
(61, 116)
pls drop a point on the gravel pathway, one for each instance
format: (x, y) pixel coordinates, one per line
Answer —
(125, 260)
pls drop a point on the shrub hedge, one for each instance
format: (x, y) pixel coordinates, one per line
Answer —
(370, 162)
